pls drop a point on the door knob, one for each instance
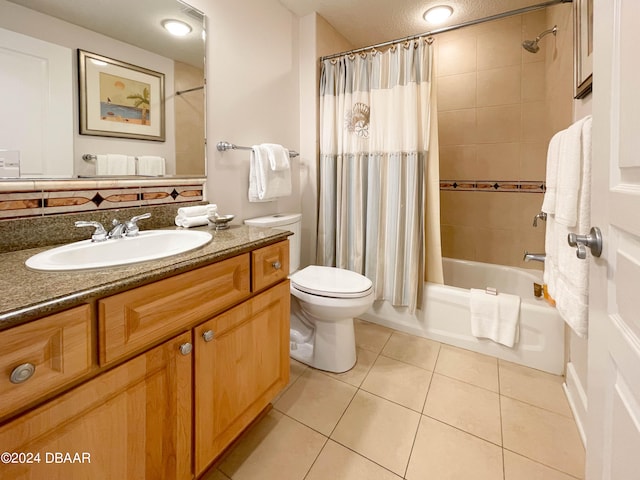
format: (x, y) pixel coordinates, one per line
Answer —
(593, 241)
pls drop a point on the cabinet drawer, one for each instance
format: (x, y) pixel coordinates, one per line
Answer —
(269, 265)
(57, 346)
(132, 320)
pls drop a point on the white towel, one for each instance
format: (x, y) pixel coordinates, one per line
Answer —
(114, 164)
(278, 156)
(495, 316)
(188, 222)
(266, 184)
(567, 276)
(151, 165)
(553, 152)
(569, 175)
(197, 210)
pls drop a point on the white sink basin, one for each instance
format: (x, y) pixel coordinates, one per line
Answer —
(148, 245)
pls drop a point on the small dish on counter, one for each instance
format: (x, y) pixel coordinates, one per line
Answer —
(220, 222)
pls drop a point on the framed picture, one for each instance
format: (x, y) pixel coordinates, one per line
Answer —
(118, 99)
(583, 47)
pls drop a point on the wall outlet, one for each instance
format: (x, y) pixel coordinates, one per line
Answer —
(9, 164)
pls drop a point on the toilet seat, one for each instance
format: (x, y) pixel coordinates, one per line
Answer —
(331, 282)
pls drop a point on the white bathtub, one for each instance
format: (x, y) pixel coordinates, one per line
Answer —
(444, 315)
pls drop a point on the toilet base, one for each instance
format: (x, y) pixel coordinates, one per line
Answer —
(330, 347)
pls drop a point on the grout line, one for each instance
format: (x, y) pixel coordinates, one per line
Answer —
(461, 430)
(316, 459)
(555, 469)
(504, 472)
(366, 458)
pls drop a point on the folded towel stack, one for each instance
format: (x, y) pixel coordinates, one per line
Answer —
(113, 164)
(151, 166)
(269, 173)
(568, 208)
(495, 316)
(195, 216)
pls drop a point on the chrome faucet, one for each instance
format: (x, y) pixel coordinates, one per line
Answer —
(541, 216)
(128, 228)
(99, 235)
(118, 229)
(132, 225)
(536, 257)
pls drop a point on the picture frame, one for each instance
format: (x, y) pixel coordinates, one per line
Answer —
(583, 47)
(118, 99)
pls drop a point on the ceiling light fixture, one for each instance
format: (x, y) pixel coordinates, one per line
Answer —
(437, 15)
(176, 27)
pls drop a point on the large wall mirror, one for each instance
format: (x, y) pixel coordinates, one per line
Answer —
(43, 74)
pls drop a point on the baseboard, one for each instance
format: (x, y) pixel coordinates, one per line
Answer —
(577, 397)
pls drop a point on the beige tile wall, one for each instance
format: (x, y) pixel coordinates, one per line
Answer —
(498, 106)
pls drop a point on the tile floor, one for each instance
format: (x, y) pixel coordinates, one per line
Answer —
(415, 409)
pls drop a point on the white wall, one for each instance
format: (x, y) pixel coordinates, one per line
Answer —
(317, 38)
(252, 97)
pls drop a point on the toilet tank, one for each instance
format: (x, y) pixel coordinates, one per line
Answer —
(283, 221)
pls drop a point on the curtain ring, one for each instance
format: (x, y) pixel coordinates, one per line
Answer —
(429, 40)
(407, 45)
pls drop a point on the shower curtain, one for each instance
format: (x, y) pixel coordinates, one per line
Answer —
(379, 186)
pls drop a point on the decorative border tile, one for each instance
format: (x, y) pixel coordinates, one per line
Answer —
(513, 186)
(57, 197)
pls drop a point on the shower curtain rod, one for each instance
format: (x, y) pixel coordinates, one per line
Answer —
(498, 16)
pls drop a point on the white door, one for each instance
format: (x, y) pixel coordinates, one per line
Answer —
(613, 431)
(36, 104)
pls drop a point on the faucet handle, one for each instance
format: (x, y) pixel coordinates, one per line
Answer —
(541, 216)
(132, 224)
(99, 235)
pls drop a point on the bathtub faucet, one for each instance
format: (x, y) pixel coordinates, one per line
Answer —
(536, 257)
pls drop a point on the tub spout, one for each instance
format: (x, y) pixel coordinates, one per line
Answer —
(536, 257)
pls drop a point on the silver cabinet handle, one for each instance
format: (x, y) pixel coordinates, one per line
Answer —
(22, 373)
(593, 241)
(185, 348)
(276, 265)
(208, 335)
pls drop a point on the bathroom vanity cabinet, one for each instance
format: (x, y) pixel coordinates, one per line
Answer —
(153, 382)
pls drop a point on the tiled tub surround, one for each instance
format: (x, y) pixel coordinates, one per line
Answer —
(34, 198)
(498, 106)
(28, 295)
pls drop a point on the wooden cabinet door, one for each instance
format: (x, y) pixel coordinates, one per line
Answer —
(132, 422)
(241, 363)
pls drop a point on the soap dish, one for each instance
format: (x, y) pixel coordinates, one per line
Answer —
(220, 222)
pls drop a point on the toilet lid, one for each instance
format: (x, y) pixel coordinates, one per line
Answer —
(331, 282)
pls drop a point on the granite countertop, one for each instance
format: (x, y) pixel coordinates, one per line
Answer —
(28, 294)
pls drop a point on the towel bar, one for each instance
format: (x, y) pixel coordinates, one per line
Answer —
(223, 146)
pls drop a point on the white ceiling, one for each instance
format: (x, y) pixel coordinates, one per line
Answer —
(367, 22)
(137, 22)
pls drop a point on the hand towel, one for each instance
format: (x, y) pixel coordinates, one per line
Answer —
(188, 222)
(568, 275)
(278, 156)
(151, 165)
(495, 316)
(569, 175)
(197, 210)
(266, 184)
(553, 152)
(114, 164)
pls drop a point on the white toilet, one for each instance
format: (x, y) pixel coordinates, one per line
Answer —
(324, 301)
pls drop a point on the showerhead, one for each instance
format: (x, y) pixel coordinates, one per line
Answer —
(532, 45)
